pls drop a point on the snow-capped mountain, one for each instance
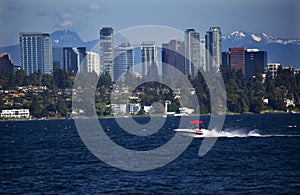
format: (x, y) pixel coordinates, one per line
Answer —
(238, 37)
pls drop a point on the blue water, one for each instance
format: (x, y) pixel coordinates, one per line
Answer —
(48, 157)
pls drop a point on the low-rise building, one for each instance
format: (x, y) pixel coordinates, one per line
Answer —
(15, 113)
(272, 68)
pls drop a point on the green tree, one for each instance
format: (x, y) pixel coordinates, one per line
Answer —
(48, 81)
(35, 107)
(62, 107)
(61, 78)
(34, 78)
(20, 77)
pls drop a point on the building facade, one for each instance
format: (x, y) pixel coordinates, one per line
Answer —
(225, 60)
(107, 51)
(173, 58)
(36, 52)
(202, 54)
(92, 62)
(213, 48)
(192, 52)
(123, 59)
(6, 65)
(237, 59)
(255, 61)
(149, 59)
(15, 113)
(272, 68)
(69, 59)
(247, 60)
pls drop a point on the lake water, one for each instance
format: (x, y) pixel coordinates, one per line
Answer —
(256, 154)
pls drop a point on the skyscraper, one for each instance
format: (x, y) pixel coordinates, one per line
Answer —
(255, 61)
(149, 59)
(192, 52)
(213, 48)
(107, 50)
(247, 60)
(6, 65)
(226, 60)
(36, 52)
(69, 58)
(237, 59)
(92, 62)
(124, 59)
(173, 58)
(202, 54)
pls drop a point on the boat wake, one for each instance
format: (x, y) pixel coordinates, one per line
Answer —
(244, 133)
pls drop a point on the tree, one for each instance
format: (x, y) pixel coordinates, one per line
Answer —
(105, 80)
(20, 77)
(34, 78)
(62, 107)
(35, 107)
(48, 81)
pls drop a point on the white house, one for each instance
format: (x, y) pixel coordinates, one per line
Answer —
(15, 113)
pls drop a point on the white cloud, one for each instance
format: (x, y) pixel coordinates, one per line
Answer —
(94, 6)
(66, 23)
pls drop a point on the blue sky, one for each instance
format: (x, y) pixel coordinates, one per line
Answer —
(275, 17)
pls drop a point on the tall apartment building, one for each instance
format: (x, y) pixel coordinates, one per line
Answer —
(92, 62)
(36, 52)
(202, 54)
(173, 58)
(69, 59)
(107, 51)
(123, 60)
(255, 61)
(192, 52)
(237, 59)
(213, 48)
(6, 65)
(247, 60)
(149, 59)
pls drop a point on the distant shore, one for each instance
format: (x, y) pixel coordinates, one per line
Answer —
(136, 116)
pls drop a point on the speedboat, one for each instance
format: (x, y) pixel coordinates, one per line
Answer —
(197, 130)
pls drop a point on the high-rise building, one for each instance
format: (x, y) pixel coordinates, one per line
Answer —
(225, 60)
(6, 65)
(173, 58)
(107, 50)
(237, 59)
(149, 59)
(69, 59)
(213, 48)
(202, 54)
(192, 52)
(92, 62)
(36, 52)
(255, 61)
(123, 60)
(247, 60)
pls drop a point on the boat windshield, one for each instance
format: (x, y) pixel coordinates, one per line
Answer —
(197, 124)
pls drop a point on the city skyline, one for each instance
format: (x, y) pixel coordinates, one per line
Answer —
(278, 18)
(115, 65)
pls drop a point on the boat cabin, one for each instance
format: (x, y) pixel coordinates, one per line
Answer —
(197, 125)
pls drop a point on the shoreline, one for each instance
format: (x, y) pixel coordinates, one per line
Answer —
(138, 116)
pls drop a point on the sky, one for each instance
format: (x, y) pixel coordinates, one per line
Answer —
(279, 18)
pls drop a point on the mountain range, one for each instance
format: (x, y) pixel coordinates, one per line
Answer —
(281, 50)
